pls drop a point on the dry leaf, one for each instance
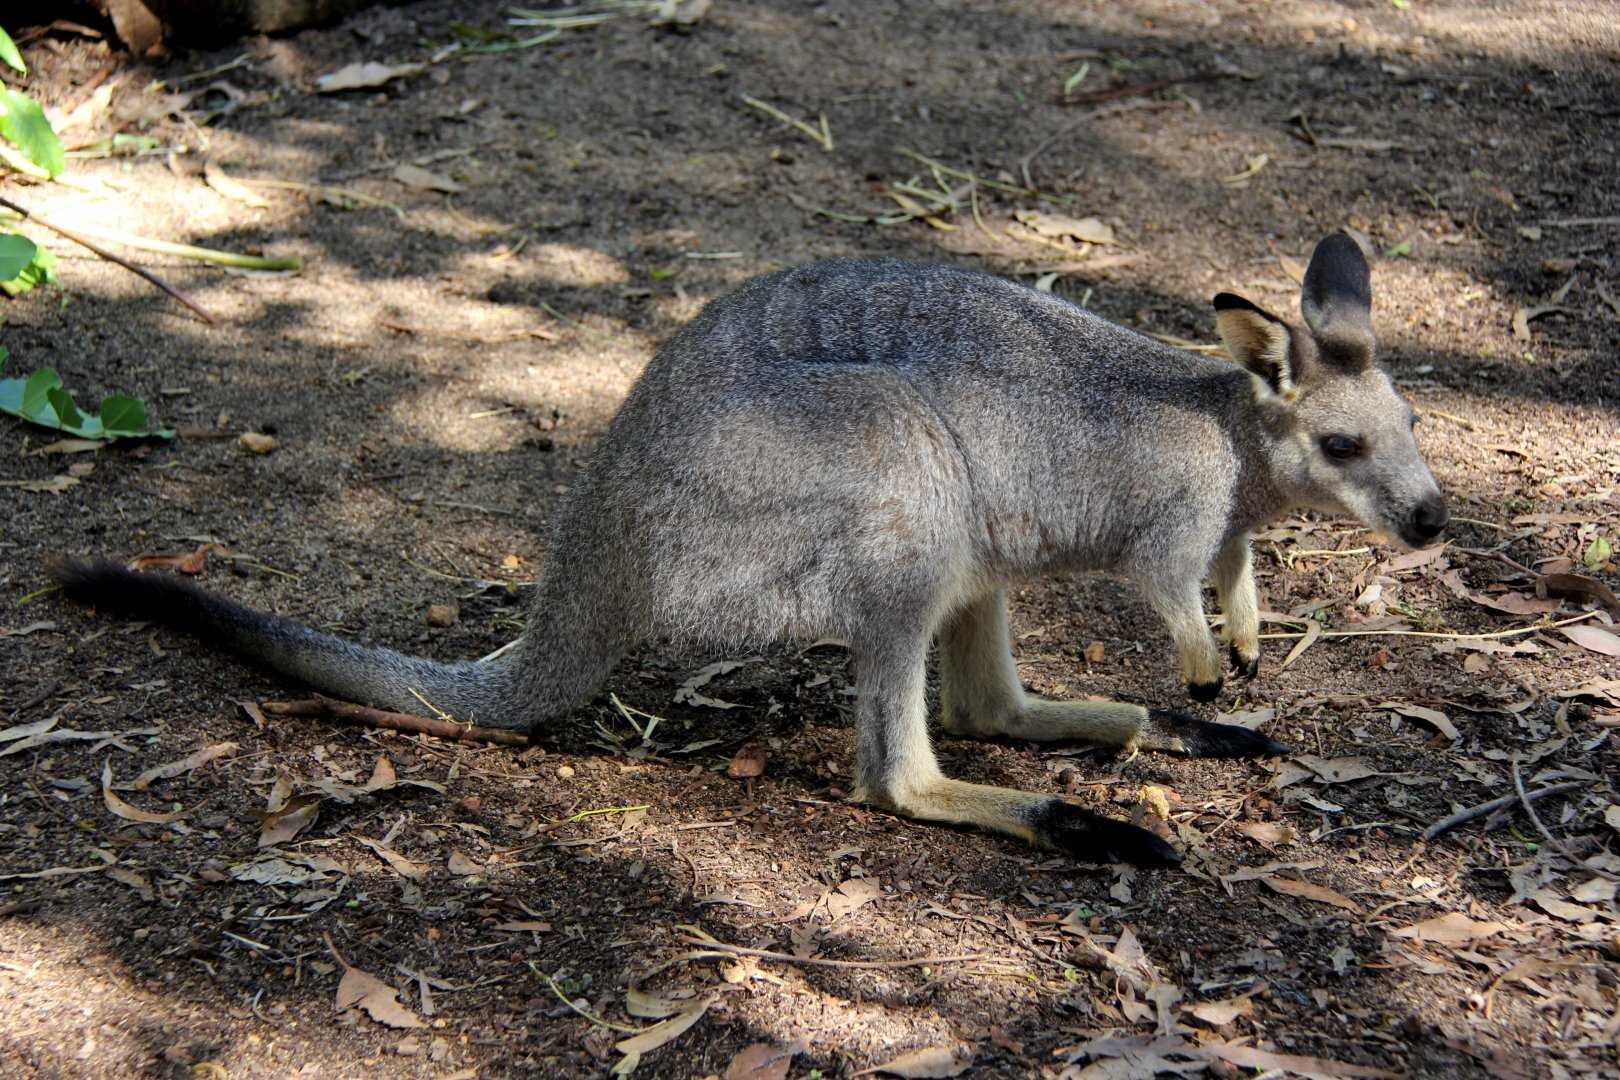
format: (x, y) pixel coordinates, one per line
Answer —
(189, 563)
(762, 1061)
(1452, 929)
(1094, 653)
(376, 997)
(1434, 717)
(1313, 631)
(419, 179)
(1578, 587)
(1268, 834)
(1337, 770)
(1611, 816)
(257, 442)
(398, 863)
(231, 189)
(24, 731)
(124, 809)
(1305, 890)
(850, 895)
(138, 882)
(287, 821)
(291, 870)
(1220, 1013)
(1089, 230)
(1515, 603)
(184, 765)
(1249, 1057)
(1559, 908)
(748, 762)
(1594, 638)
(362, 76)
(649, 1006)
(1414, 559)
(69, 446)
(462, 865)
(686, 693)
(54, 486)
(950, 1059)
(659, 1034)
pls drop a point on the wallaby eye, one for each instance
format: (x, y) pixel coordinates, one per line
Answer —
(1341, 447)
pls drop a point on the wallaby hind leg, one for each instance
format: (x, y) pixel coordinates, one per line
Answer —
(981, 696)
(896, 769)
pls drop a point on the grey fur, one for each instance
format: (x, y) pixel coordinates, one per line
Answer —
(873, 450)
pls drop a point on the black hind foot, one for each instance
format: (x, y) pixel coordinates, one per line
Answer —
(1201, 738)
(1090, 837)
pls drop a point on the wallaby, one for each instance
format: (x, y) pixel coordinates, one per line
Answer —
(874, 450)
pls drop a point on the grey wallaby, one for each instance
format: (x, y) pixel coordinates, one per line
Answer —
(874, 451)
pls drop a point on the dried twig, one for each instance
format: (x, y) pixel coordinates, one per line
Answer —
(821, 135)
(1530, 811)
(1289, 635)
(109, 256)
(1462, 817)
(714, 948)
(395, 721)
(1114, 93)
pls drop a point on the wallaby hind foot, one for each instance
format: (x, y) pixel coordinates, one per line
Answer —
(981, 696)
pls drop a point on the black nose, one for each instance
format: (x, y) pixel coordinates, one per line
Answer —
(1430, 517)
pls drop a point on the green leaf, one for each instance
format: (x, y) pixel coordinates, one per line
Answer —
(67, 413)
(23, 122)
(1400, 250)
(123, 415)
(9, 53)
(35, 393)
(1597, 553)
(41, 269)
(16, 252)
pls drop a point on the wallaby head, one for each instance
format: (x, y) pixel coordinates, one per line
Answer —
(1341, 437)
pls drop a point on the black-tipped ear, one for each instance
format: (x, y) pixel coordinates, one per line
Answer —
(1256, 339)
(1337, 302)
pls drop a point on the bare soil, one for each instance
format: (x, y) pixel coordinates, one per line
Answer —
(436, 376)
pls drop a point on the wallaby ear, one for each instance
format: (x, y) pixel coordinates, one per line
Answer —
(1337, 302)
(1256, 339)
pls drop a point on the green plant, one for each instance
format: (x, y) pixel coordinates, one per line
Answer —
(41, 399)
(31, 147)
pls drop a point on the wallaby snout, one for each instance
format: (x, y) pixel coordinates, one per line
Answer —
(1427, 521)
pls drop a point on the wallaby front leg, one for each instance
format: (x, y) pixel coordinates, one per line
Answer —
(896, 769)
(982, 697)
(1182, 608)
(1240, 603)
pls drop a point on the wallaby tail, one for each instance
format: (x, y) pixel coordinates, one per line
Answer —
(473, 692)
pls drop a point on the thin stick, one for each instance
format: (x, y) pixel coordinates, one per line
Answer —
(394, 721)
(1462, 817)
(197, 254)
(821, 135)
(555, 989)
(110, 257)
(1435, 634)
(713, 947)
(1535, 818)
(1138, 89)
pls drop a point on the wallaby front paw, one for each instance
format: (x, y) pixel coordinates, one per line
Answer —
(1204, 692)
(1093, 838)
(1201, 738)
(1244, 667)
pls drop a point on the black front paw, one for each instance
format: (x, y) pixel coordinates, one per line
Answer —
(1204, 692)
(1091, 837)
(1200, 738)
(1243, 669)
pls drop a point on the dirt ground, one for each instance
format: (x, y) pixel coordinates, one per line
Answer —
(435, 378)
